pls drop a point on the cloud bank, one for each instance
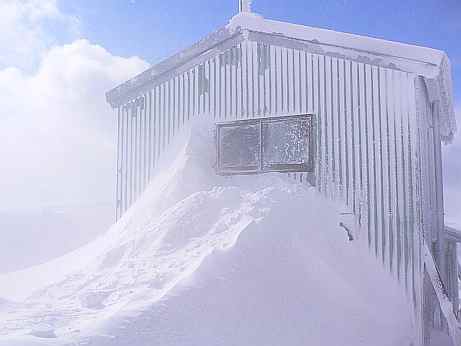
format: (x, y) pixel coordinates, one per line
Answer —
(58, 134)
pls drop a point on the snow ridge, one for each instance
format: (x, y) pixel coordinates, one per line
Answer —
(203, 259)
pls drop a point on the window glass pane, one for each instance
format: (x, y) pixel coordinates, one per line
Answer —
(286, 142)
(286, 145)
(240, 147)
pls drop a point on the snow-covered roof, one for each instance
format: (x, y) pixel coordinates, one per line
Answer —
(429, 63)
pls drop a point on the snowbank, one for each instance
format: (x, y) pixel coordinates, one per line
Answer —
(207, 260)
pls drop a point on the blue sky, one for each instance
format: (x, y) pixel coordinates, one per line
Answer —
(155, 29)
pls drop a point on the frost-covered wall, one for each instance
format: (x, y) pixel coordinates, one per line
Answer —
(430, 216)
(378, 144)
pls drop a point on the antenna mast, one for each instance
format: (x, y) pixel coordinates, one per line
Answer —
(245, 6)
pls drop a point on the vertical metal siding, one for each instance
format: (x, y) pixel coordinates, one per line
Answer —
(377, 147)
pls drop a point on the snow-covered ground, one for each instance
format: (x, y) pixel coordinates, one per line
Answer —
(30, 237)
(207, 260)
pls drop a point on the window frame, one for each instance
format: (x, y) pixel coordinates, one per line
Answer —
(307, 167)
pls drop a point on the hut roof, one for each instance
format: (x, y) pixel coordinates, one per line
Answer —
(429, 63)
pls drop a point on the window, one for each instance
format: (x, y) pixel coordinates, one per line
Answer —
(281, 144)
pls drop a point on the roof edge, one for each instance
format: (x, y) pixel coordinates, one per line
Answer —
(440, 91)
(254, 22)
(170, 63)
(432, 64)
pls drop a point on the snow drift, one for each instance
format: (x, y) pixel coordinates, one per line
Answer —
(202, 259)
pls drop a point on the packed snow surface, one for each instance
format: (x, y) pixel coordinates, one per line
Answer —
(202, 259)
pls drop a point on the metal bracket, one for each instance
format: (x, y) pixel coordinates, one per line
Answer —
(445, 304)
(453, 234)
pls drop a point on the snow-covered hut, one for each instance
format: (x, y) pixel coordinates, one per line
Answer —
(382, 110)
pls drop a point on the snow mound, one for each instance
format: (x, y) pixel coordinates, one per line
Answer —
(207, 260)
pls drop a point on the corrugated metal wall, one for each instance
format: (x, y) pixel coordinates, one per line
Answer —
(378, 149)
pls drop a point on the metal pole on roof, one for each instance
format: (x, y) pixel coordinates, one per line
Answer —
(245, 6)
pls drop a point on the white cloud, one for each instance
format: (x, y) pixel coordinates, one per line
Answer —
(23, 30)
(57, 132)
